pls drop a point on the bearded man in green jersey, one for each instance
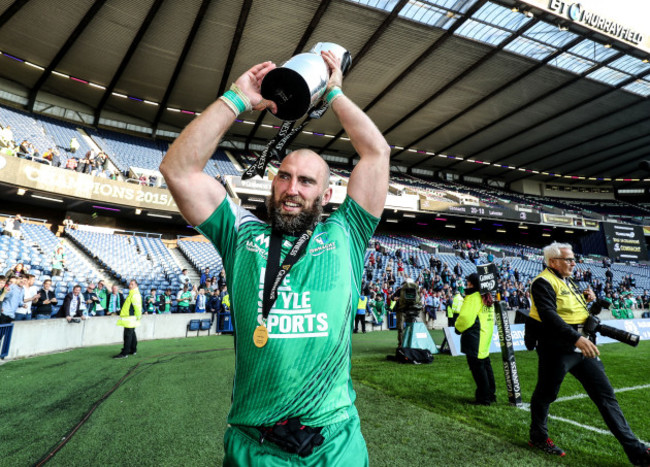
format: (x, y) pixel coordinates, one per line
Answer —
(294, 285)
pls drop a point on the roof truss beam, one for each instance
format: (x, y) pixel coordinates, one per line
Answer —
(409, 69)
(318, 15)
(85, 21)
(181, 61)
(462, 75)
(11, 11)
(127, 57)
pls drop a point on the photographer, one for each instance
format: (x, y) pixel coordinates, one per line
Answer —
(558, 313)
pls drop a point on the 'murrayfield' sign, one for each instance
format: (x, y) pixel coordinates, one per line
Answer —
(580, 13)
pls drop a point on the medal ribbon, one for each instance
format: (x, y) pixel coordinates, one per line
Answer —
(275, 273)
(275, 147)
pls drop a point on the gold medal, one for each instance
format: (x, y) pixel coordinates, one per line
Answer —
(260, 336)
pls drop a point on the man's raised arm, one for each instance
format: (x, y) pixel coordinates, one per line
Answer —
(368, 184)
(196, 193)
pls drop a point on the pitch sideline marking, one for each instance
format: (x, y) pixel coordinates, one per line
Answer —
(583, 395)
(525, 406)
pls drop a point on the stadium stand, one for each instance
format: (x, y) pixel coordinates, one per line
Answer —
(128, 258)
(201, 255)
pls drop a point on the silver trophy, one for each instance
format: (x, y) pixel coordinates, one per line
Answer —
(301, 81)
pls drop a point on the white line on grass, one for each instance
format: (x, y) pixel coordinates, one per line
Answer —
(583, 395)
(525, 406)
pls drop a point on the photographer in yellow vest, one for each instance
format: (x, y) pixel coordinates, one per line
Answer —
(558, 312)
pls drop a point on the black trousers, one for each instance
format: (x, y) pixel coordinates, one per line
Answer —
(130, 342)
(553, 366)
(360, 319)
(483, 375)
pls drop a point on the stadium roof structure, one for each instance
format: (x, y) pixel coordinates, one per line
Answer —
(499, 89)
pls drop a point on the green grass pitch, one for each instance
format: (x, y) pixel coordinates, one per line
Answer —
(171, 407)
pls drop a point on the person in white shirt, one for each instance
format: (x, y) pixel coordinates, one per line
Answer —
(24, 312)
(184, 278)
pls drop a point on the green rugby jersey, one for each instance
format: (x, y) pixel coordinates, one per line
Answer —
(304, 369)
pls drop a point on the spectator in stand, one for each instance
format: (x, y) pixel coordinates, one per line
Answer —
(645, 299)
(458, 270)
(214, 304)
(74, 145)
(91, 300)
(115, 301)
(6, 136)
(165, 302)
(222, 278)
(429, 310)
(83, 162)
(30, 293)
(609, 275)
(25, 149)
(400, 269)
(445, 274)
(102, 161)
(71, 308)
(151, 304)
(56, 158)
(72, 163)
(17, 271)
(58, 260)
(13, 299)
(130, 316)
(102, 294)
(18, 223)
(183, 298)
(68, 223)
(201, 301)
(205, 275)
(184, 278)
(43, 304)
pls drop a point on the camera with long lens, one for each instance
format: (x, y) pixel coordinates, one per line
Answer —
(593, 325)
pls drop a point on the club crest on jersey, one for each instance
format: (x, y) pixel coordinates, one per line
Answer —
(324, 244)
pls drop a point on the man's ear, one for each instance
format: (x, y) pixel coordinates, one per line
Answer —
(327, 195)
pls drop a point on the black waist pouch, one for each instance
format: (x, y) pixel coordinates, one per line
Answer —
(291, 436)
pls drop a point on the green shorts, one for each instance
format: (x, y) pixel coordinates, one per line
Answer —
(343, 446)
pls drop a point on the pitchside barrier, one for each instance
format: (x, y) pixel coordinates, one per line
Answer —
(37, 337)
(636, 326)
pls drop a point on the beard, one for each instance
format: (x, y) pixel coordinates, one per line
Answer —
(293, 224)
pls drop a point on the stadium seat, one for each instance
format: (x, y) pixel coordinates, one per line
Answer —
(206, 325)
(193, 325)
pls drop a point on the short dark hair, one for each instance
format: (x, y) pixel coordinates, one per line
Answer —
(76, 286)
(133, 280)
(3, 278)
(153, 290)
(46, 280)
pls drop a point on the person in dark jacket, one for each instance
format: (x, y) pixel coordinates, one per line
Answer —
(115, 301)
(43, 304)
(71, 307)
(475, 324)
(557, 312)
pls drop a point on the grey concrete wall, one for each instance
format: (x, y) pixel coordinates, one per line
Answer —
(55, 335)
